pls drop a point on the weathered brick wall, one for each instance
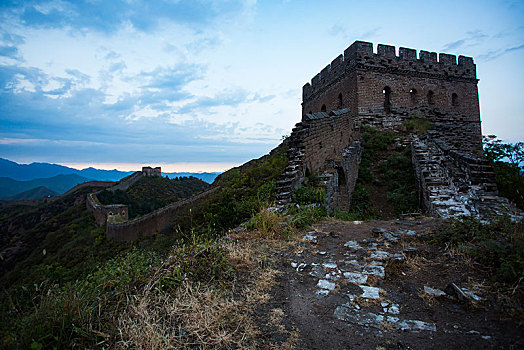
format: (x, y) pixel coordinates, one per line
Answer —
(160, 220)
(318, 144)
(324, 137)
(359, 79)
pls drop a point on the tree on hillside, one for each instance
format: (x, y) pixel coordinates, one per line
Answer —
(508, 164)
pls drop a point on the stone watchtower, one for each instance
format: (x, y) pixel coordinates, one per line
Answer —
(383, 89)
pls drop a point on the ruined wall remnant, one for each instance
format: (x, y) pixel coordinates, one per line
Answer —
(103, 212)
(116, 216)
(323, 144)
(160, 220)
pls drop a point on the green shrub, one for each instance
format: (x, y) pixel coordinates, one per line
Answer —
(498, 245)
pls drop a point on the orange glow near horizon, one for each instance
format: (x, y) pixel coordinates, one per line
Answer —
(166, 168)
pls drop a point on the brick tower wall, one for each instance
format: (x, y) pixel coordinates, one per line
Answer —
(359, 78)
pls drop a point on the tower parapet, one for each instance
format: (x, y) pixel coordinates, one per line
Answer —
(360, 55)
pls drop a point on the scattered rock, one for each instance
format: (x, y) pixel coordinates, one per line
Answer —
(325, 284)
(370, 292)
(434, 292)
(470, 294)
(389, 236)
(454, 290)
(375, 270)
(351, 244)
(379, 230)
(379, 254)
(396, 257)
(310, 237)
(330, 265)
(355, 277)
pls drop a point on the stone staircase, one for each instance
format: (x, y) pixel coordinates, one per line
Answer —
(291, 177)
(454, 183)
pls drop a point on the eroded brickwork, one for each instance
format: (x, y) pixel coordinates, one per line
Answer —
(323, 144)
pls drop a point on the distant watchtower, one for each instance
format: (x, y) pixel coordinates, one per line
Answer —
(384, 89)
(148, 171)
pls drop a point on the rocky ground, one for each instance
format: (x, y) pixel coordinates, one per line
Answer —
(381, 285)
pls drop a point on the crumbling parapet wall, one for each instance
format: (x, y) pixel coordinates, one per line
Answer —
(160, 220)
(384, 89)
(317, 145)
(102, 212)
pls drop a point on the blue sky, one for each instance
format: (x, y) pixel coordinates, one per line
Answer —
(206, 85)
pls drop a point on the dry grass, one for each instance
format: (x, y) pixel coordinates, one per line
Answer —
(203, 316)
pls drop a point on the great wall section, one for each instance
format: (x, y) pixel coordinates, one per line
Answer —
(383, 90)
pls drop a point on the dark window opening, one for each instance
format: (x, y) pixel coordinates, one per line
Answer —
(431, 97)
(387, 99)
(454, 100)
(320, 144)
(413, 95)
(323, 108)
(310, 112)
(340, 101)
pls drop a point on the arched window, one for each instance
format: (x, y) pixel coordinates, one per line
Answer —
(431, 97)
(387, 99)
(413, 96)
(454, 100)
(310, 112)
(340, 100)
(323, 108)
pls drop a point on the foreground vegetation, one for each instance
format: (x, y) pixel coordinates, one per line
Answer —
(386, 184)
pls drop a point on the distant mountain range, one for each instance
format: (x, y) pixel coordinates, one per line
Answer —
(33, 194)
(58, 184)
(21, 181)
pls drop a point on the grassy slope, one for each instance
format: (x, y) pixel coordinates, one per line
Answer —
(68, 282)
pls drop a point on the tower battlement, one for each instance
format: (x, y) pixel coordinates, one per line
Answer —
(360, 55)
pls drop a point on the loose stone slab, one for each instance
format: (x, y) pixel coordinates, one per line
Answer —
(370, 292)
(330, 265)
(355, 277)
(325, 284)
(375, 270)
(434, 292)
(415, 325)
(379, 230)
(322, 292)
(310, 238)
(316, 271)
(355, 316)
(347, 314)
(379, 254)
(397, 257)
(351, 244)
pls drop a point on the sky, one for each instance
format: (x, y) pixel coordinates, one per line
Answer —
(202, 85)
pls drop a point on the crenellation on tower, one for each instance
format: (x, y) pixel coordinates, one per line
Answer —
(386, 50)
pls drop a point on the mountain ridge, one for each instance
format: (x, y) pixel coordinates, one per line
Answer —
(26, 172)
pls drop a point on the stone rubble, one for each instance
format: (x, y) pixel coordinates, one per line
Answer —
(356, 275)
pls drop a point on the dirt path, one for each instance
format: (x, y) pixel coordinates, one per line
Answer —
(379, 285)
